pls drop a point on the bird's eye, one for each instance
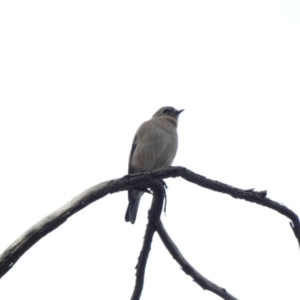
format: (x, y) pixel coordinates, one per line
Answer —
(166, 111)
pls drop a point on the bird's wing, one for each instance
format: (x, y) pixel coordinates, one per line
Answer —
(130, 166)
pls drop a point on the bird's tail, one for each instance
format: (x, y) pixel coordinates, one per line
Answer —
(133, 205)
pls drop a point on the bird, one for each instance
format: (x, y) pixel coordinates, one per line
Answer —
(154, 146)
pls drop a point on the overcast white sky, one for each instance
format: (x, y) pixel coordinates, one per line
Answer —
(77, 79)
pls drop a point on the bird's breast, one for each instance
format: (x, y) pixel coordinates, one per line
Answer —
(155, 148)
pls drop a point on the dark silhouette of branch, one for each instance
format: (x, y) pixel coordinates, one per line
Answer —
(11, 255)
(249, 195)
(188, 269)
(153, 218)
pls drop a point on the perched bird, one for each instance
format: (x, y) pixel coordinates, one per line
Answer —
(154, 146)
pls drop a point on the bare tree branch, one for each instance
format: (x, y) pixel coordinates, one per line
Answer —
(248, 195)
(188, 269)
(153, 218)
(11, 255)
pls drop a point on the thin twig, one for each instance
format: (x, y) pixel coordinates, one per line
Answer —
(188, 269)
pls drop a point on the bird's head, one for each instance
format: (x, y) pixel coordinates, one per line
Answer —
(168, 111)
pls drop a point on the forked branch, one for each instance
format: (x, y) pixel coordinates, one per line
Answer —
(11, 255)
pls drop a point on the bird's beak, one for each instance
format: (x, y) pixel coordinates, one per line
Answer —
(179, 111)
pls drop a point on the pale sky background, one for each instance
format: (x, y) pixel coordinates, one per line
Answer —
(78, 78)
